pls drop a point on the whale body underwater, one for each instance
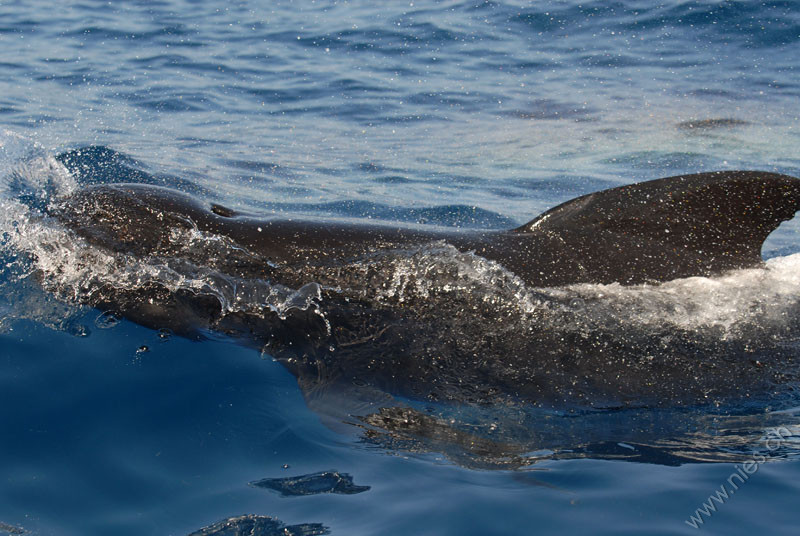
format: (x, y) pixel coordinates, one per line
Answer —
(448, 315)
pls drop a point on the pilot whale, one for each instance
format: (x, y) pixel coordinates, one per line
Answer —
(341, 320)
(654, 231)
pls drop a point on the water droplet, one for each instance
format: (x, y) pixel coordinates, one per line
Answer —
(164, 334)
(79, 330)
(107, 320)
(577, 304)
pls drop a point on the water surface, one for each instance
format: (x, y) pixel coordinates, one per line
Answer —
(457, 114)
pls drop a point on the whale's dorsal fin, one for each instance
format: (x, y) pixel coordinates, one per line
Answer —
(681, 226)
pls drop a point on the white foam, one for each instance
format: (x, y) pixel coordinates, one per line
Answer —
(761, 298)
(441, 269)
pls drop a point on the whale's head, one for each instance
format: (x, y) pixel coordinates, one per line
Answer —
(135, 218)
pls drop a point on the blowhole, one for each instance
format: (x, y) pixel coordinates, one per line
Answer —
(220, 210)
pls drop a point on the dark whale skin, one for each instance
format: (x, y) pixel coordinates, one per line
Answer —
(474, 344)
(690, 225)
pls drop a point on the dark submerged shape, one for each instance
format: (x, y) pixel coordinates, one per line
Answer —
(256, 525)
(313, 484)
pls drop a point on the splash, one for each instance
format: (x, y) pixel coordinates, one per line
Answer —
(440, 269)
(66, 266)
(741, 303)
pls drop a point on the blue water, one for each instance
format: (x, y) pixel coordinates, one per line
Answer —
(460, 113)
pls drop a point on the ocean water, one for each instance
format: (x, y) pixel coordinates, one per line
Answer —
(459, 114)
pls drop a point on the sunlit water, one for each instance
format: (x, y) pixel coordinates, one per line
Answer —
(416, 113)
